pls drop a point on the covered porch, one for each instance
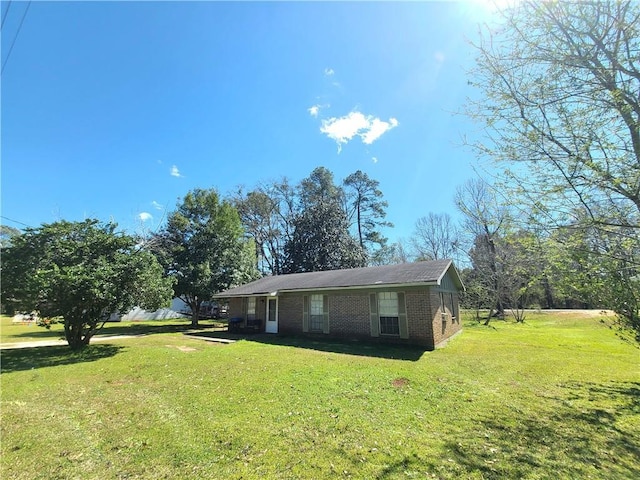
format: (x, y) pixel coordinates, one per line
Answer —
(253, 313)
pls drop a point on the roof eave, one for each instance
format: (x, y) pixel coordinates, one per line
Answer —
(361, 287)
(332, 288)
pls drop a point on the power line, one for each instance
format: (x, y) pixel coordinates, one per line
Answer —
(4, 17)
(16, 35)
(15, 221)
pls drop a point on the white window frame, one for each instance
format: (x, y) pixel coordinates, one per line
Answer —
(389, 309)
(251, 308)
(316, 313)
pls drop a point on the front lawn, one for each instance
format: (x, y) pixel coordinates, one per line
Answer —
(11, 332)
(557, 397)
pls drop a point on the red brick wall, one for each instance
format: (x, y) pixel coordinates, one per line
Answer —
(349, 315)
(420, 314)
(290, 314)
(444, 326)
(236, 307)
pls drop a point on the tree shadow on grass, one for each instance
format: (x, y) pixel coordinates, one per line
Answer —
(365, 349)
(15, 360)
(587, 434)
(133, 328)
(38, 333)
(113, 328)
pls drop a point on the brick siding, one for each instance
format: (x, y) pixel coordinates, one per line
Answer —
(444, 326)
(420, 313)
(290, 314)
(349, 316)
(236, 307)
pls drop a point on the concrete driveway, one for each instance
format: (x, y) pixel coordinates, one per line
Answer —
(53, 343)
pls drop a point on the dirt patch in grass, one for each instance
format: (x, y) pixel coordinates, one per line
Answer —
(400, 382)
(183, 348)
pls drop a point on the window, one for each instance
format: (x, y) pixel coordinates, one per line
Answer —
(453, 306)
(388, 311)
(251, 308)
(317, 313)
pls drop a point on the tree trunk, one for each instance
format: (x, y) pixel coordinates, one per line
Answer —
(548, 293)
(73, 335)
(360, 225)
(195, 313)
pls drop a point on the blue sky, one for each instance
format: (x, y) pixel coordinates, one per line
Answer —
(115, 110)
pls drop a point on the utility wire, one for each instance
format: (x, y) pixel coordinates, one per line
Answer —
(15, 37)
(4, 17)
(15, 221)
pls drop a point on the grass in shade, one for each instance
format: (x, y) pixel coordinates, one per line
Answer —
(555, 397)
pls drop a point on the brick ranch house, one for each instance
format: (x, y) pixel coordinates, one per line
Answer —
(412, 303)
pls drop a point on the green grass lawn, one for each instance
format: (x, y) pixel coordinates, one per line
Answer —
(556, 397)
(26, 332)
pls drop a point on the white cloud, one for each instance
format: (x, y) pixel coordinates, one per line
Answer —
(175, 172)
(144, 216)
(329, 72)
(156, 205)
(374, 159)
(344, 129)
(314, 110)
(376, 128)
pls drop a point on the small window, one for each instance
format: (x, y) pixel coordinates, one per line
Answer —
(453, 306)
(389, 326)
(251, 308)
(388, 311)
(443, 309)
(317, 313)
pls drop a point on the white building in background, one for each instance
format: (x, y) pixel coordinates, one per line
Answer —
(175, 310)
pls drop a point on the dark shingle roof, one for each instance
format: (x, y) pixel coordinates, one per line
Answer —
(430, 272)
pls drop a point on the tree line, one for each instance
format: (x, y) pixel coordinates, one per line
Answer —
(557, 226)
(86, 271)
(316, 224)
(509, 263)
(559, 86)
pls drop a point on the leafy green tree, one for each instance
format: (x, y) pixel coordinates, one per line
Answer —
(321, 241)
(600, 269)
(476, 295)
(484, 281)
(321, 238)
(274, 211)
(203, 248)
(83, 272)
(319, 187)
(366, 209)
(522, 268)
(7, 234)
(560, 102)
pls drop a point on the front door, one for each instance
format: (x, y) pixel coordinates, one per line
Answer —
(272, 315)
